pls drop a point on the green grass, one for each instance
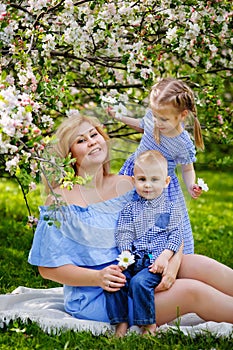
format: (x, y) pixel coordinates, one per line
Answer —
(211, 218)
(19, 336)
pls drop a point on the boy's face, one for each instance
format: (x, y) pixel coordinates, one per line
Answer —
(150, 179)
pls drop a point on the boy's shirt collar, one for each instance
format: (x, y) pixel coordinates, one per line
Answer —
(152, 202)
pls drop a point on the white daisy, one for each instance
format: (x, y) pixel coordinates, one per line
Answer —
(202, 185)
(125, 259)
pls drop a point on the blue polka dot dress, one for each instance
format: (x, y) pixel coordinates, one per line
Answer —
(177, 150)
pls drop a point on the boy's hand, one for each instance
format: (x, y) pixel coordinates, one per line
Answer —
(159, 265)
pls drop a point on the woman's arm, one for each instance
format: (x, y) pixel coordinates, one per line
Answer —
(172, 270)
(78, 276)
(189, 177)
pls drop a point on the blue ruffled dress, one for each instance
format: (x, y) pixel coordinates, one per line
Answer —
(86, 239)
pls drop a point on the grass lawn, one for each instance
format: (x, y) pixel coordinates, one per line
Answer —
(211, 218)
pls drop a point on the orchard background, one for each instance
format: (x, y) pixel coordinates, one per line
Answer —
(64, 57)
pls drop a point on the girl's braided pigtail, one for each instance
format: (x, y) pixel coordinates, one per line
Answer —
(197, 133)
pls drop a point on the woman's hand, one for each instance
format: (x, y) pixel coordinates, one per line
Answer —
(111, 278)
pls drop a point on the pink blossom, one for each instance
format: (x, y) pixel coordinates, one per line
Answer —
(32, 186)
(220, 119)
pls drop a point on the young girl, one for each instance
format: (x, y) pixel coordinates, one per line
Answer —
(171, 102)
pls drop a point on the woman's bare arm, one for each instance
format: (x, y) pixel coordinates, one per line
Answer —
(78, 276)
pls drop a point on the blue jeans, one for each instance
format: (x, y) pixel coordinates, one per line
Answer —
(140, 287)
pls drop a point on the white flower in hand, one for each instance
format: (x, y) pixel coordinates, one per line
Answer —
(120, 110)
(202, 185)
(125, 259)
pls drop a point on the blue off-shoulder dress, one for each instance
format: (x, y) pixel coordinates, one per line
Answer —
(177, 150)
(86, 239)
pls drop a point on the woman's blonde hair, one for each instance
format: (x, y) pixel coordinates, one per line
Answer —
(66, 135)
(180, 96)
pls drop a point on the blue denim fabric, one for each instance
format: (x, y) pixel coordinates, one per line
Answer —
(140, 287)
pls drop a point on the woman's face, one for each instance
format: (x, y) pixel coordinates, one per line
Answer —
(90, 148)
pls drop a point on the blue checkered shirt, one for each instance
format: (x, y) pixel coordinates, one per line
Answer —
(150, 226)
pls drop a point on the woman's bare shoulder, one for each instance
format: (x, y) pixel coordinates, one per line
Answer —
(59, 192)
(123, 183)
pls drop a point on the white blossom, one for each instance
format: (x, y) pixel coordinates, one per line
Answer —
(202, 184)
(84, 66)
(120, 110)
(11, 164)
(109, 99)
(72, 112)
(171, 33)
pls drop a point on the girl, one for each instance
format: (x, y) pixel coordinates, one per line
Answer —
(171, 101)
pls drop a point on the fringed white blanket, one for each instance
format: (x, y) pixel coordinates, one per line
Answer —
(45, 307)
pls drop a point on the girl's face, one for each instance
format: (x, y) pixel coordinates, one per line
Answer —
(169, 120)
(90, 148)
(150, 180)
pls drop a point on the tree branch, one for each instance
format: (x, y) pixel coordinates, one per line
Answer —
(19, 7)
(107, 87)
(24, 195)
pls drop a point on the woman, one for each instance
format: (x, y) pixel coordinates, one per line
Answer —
(81, 253)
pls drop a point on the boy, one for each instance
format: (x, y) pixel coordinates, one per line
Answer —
(150, 228)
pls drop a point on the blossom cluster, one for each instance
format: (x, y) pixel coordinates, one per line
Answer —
(60, 55)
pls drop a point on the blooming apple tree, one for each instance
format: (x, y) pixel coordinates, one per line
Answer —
(59, 57)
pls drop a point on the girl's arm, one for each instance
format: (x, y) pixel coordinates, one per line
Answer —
(189, 177)
(78, 276)
(172, 270)
(133, 123)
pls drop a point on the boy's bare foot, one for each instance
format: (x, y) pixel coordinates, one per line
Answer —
(149, 329)
(121, 329)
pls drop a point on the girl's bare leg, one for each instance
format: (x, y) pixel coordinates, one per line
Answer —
(186, 296)
(207, 270)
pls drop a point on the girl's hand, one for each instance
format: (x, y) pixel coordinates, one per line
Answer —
(195, 191)
(111, 278)
(110, 111)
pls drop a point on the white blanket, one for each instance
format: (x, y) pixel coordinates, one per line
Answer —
(45, 307)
